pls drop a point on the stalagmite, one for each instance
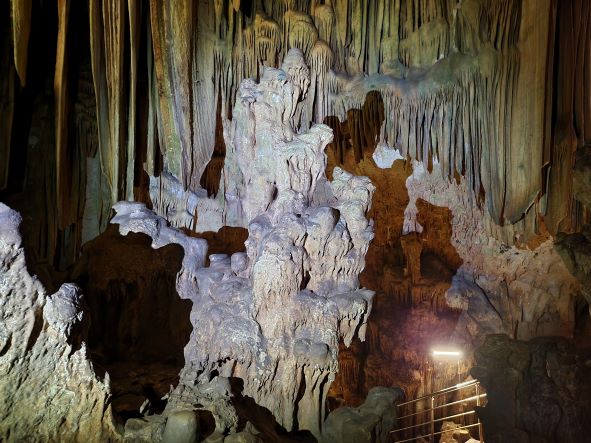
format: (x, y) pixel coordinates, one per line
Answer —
(42, 340)
(306, 247)
(297, 165)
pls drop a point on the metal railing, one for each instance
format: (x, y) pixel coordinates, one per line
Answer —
(439, 410)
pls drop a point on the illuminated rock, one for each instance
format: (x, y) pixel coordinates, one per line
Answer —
(43, 356)
(272, 317)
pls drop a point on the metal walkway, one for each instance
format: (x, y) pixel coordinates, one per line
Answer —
(422, 417)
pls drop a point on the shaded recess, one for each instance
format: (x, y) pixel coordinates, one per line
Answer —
(210, 180)
(139, 325)
(410, 273)
(262, 418)
(227, 240)
(355, 138)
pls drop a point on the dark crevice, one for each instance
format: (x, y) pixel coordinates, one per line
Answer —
(262, 419)
(139, 324)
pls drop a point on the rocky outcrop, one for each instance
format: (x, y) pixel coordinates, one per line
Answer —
(272, 317)
(441, 279)
(370, 422)
(537, 391)
(582, 176)
(524, 289)
(48, 388)
(575, 251)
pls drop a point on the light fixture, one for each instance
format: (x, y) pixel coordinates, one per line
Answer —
(447, 355)
(440, 353)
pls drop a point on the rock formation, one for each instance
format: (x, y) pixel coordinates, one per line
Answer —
(370, 422)
(536, 390)
(43, 355)
(248, 143)
(272, 316)
(148, 87)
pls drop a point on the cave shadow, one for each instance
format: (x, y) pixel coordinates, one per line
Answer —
(262, 418)
(139, 324)
(227, 240)
(357, 137)
(407, 314)
(210, 179)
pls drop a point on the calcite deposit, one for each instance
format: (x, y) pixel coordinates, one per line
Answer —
(48, 388)
(219, 200)
(272, 316)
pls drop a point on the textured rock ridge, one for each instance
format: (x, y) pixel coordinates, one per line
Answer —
(48, 389)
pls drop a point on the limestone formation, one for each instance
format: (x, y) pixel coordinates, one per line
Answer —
(272, 316)
(43, 355)
(165, 80)
(501, 282)
(536, 390)
(266, 166)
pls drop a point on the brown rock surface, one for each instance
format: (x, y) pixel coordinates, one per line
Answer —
(537, 391)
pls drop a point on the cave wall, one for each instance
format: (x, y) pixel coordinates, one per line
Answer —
(468, 116)
(536, 390)
(141, 87)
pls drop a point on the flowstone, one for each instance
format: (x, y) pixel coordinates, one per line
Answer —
(268, 322)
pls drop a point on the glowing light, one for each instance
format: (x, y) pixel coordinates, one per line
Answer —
(438, 353)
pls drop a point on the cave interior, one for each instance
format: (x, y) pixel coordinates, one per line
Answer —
(295, 220)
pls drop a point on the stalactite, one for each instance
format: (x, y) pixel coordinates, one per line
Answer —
(172, 37)
(321, 61)
(60, 87)
(135, 12)
(324, 20)
(523, 176)
(267, 37)
(356, 50)
(299, 31)
(205, 89)
(100, 87)
(21, 28)
(95, 196)
(572, 37)
(451, 76)
(7, 80)
(114, 21)
(152, 148)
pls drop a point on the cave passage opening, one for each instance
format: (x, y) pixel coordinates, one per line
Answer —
(139, 324)
(410, 272)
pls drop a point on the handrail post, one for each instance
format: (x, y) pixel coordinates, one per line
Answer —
(478, 404)
(432, 419)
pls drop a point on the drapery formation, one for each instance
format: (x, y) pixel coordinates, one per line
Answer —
(464, 83)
